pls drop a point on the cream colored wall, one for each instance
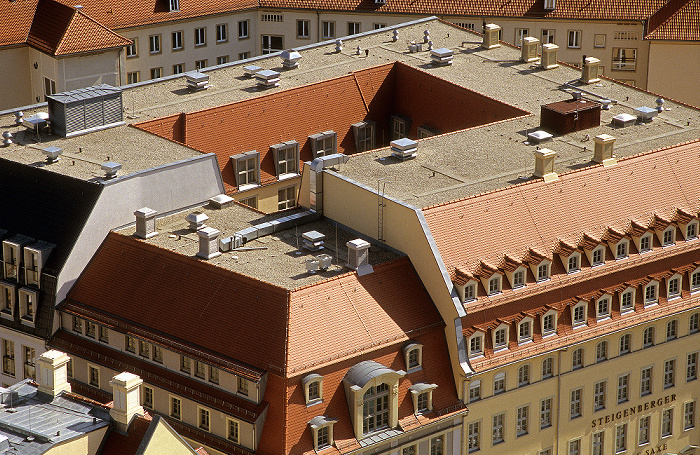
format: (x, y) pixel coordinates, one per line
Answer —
(669, 64)
(85, 70)
(559, 388)
(47, 66)
(15, 66)
(88, 444)
(267, 195)
(20, 340)
(165, 441)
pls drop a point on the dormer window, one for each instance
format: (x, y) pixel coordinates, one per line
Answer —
(668, 237)
(573, 262)
(246, 168)
(673, 289)
(691, 230)
(622, 249)
(286, 155)
(476, 345)
(598, 256)
(7, 304)
(467, 292)
(525, 331)
(603, 307)
(495, 285)
(323, 144)
(651, 293)
(422, 395)
(549, 4)
(695, 280)
(543, 271)
(28, 300)
(500, 337)
(35, 256)
(364, 135)
(645, 243)
(174, 5)
(549, 323)
(579, 314)
(517, 277)
(413, 355)
(313, 388)
(627, 300)
(322, 431)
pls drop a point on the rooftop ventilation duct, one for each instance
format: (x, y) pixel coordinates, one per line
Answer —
(358, 256)
(267, 78)
(539, 136)
(544, 165)
(548, 60)
(590, 70)
(145, 223)
(313, 240)
(290, 59)
(196, 220)
(441, 56)
(208, 242)
(52, 153)
(645, 114)
(197, 81)
(491, 32)
(529, 49)
(404, 148)
(6, 138)
(251, 70)
(111, 169)
(624, 119)
(86, 109)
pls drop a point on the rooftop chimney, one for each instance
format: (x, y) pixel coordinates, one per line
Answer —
(404, 148)
(111, 169)
(358, 257)
(529, 49)
(267, 78)
(196, 220)
(52, 153)
(52, 374)
(197, 81)
(589, 72)
(145, 223)
(290, 59)
(603, 150)
(549, 56)
(544, 165)
(313, 240)
(491, 32)
(126, 388)
(208, 243)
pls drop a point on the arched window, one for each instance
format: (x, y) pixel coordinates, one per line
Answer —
(648, 338)
(375, 408)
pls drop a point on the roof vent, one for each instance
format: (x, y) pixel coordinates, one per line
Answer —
(251, 70)
(603, 150)
(19, 117)
(414, 47)
(491, 32)
(576, 95)
(313, 240)
(529, 49)
(196, 220)
(221, 201)
(589, 72)
(548, 60)
(539, 136)
(78, 7)
(404, 148)
(52, 153)
(267, 78)
(85, 109)
(197, 81)
(208, 242)
(624, 119)
(645, 114)
(290, 59)
(544, 165)
(321, 262)
(441, 56)
(111, 169)
(6, 138)
(145, 223)
(358, 257)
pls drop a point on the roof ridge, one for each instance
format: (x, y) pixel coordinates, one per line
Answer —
(79, 12)
(664, 14)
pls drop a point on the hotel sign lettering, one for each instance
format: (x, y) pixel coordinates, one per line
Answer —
(633, 410)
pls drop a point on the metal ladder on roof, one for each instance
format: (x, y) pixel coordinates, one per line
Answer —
(381, 186)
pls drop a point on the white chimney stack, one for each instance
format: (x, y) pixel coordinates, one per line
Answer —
(544, 165)
(52, 374)
(603, 150)
(529, 49)
(145, 223)
(491, 36)
(208, 243)
(358, 256)
(126, 391)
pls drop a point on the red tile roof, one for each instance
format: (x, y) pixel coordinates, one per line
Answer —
(679, 20)
(127, 444)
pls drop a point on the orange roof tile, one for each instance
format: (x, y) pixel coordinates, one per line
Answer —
(15, 21)
(678, 20)
(127, 444)
(541, 213)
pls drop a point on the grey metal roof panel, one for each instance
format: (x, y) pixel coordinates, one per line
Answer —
(86, 93)
(361, 373)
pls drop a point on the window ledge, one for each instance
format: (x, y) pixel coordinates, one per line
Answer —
(314, 403)
(7, 316)
(414, 369)
(248, 186)
(287, 176)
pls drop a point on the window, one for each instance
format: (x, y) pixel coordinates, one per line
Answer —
(90, 329)
(423, 402)
(132, 77)
(157, 354)
(473, 436)
(271, 17)
(691, 230)
(497, 432)
(272, 43)
(577, 359)
(177, 40)
(203, 419)
(246, 167)
(103, 334)
(625, 35)
(437, 445)
(669, 236)
(651, 294)
(599, 396)
(129, 343)
(250, 201)
(520, 33)
(599, 40)
(377, 26)
(648, 337)
(175, 408)
(144, 349)
(575, 404)
(603, 308)
(179, 68)
(495, 285)
(499, 383)
(547, 367)
(200, 64)
(669, 373)
(199, 369)
(621, 438)
(242, 386)
(674, 288)
(29, 362)
(8, 303)
(548, 36)
(549, 326)
(156, 73)
(467, 25)
(185, 364)
(364, 135)
(323, 144)
(523, 375)
(327, 29)
(625, 344)
(200, 36)
(667, 423)
(597, 443)
(579, 314)
(525, 331)
(627, 301)
(645, 383)
(689, 415)
(644, 430)
(413, 353)
(375, 408)
(500, 338)
(132, 49)
(221, 33)
(286, 155)
(597, 256)
(575, 447)
(621, 250)
(77, 325)
(521, 421)
(243, 29)
(213, 375)
(353, 28)
(694, 323)
(49, 87)
(691, 371)
(624, 59)
(147, 397)
(286, 198)
(302, 28)
(476, 345)
(94, 376)
(409, 450)
(154, 44)
(518, 279)
(174, 5)
(399, 128)
(469, 292)
(543, 272)
(601, 351)
(645, 243)
(574, 39)
(232, 431)
(671, 330)
(623, 394)
(322, 437)
(545, 413)
(573, 263)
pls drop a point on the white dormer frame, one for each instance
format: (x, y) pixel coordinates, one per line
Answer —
(309, 382)
(632, 292)
(579, 317)
(424, 390)
(286, 156)
(33, 262)
(11, 259)
(546, 331)
(638, 242)
(621, 249)
(651, 293)
(591, 255)
(467, 292)
(506, 338)
(323, 144)
(603, 307)
(667, 237)
(690, 229)
(174, 5)
(543, 266)
(694, 280)
(28, 302)
(518, 277)
(572, 262)
(413, 356)
(677, 286)
(525, 327)
(493, 284)
(8, 300)
(476, 344)
(549, 4)
(246, 177)
(322, 424)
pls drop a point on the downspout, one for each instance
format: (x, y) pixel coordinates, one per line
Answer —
(318, 26)
(556, 430)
